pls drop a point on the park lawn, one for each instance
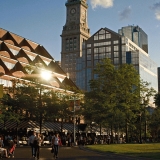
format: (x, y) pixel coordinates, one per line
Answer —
(148, 150)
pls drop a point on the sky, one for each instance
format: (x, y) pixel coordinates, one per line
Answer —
(42, 21)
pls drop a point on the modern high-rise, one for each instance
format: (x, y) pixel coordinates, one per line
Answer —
(106, 43)
(135, 34)
(75, 32)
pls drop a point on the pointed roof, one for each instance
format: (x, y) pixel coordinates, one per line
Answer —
(17, 53)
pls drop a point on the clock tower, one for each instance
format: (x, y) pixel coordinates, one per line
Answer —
(75, 32)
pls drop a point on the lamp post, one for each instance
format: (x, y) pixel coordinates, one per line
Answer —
(74, 125)
(76, 105)
(45, 75)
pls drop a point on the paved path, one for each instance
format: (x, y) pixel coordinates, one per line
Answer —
(68, 153)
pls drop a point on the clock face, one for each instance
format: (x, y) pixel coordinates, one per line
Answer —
(73, 11)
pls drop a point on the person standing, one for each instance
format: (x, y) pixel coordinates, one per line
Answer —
(37, 143)
(55, 144)
(31, 140)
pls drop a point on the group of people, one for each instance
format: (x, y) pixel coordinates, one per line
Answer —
(7, 150)
(35, 142)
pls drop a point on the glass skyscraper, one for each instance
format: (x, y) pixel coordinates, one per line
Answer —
(135, 34)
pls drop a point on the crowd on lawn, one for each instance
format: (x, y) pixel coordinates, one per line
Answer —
(9, 142)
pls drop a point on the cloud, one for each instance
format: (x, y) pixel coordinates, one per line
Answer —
(125, 13)
(156, 8)
(101, 3)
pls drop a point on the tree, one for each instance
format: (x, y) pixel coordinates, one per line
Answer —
(146, 95)
(157, 99)
(101, 99)
(155, 124)
(114, 90)
(127, 94)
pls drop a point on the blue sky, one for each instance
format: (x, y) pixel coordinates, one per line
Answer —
(42, 20)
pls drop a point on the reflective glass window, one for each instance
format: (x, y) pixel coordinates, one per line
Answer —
(96, 37)
(116, 60)
(88, 51)
(116, 48)
(108, 36)
(101, 49)
(116, 54)
(115, 42)
(102, 31)
(102, 36)
(95, 50)
(108, 55)
(88, 45)
(108, 49)
(96, 56)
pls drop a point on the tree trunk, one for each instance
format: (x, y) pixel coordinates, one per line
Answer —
(126, 132)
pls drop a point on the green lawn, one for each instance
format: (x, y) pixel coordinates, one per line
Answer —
(150, 150)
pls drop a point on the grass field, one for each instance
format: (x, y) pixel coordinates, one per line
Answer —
(149, 150)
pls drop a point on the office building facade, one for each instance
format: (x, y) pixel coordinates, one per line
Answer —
(106, 43)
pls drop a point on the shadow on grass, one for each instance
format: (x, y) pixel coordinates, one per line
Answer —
(155, 155)
(149, 155)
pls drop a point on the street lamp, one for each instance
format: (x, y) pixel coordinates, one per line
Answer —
(45, 75)
(74, 118)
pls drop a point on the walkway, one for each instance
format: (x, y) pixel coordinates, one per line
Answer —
(68, 153)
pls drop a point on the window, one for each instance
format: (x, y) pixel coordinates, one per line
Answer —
(95, 50)
(108, 49)
(101, 49)
(75, 39)
(107, 43)
(102, 44)
(96, 37)
(115, 42)
(108, 36)
(116, 54)
(95, 62)
(88, 63)
(108, 55)
(101, 55)
(88, 56)
(102, 36)
(116, 48)
(102, 31)
(88, 45)
(116, 60)
(88, 51)
(71, 41)
(96, 56)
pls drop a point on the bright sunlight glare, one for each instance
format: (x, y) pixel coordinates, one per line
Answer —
(46, 75)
